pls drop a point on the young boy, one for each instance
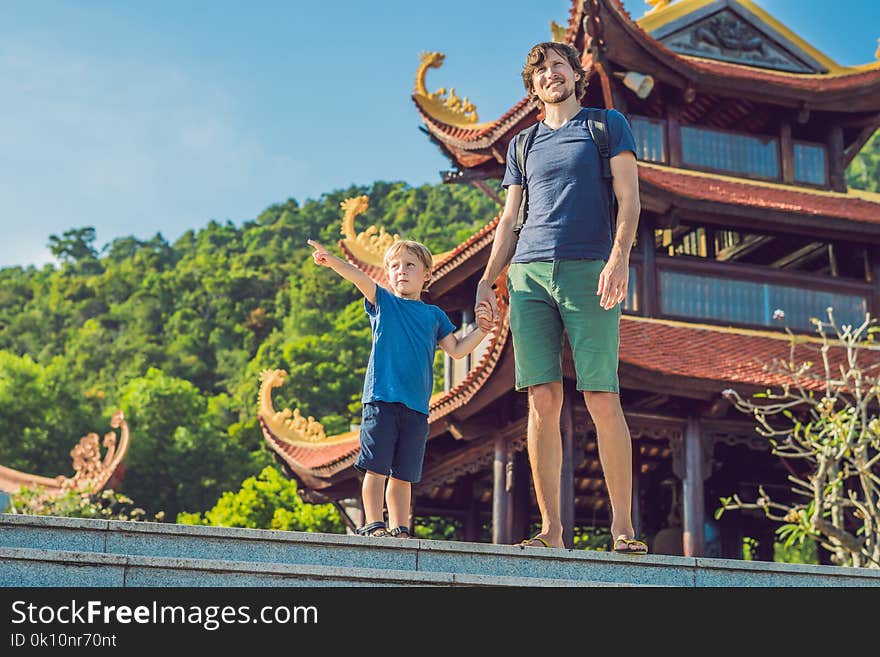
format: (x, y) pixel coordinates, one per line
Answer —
(399, 380)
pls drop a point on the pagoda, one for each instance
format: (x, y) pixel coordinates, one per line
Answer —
(743, 132)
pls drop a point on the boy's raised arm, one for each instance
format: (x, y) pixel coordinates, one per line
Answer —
(364, 283)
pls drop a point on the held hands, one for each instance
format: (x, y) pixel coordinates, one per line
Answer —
(486, 307)
(613, 282)
(483, 315)
(321, 256)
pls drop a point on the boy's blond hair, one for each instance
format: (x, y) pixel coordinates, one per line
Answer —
(419, 250)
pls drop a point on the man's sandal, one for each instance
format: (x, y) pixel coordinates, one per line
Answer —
(533, 542)
(624, 545)
(401, 532)
(378, 528)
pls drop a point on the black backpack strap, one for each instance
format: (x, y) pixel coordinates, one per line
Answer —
(597, 122)
(523, 143)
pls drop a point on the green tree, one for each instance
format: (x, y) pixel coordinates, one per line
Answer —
(43, 415)
(180, 455)
(864, 171)
(268, 501)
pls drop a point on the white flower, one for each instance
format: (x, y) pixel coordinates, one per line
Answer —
(778, 314)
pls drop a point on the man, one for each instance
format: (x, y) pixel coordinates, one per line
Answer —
(569, 271)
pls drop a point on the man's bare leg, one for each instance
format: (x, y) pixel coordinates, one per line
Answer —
(615, 454)
(373, 493)
(545, 456)
(398, 498)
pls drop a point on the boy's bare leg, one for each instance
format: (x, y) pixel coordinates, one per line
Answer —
(398, 498)
(615, 454)
(545, 456)
(373, 492)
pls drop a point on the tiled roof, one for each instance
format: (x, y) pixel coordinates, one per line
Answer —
(854, 205)
(716, 354)
(473, 147)
(466, 249)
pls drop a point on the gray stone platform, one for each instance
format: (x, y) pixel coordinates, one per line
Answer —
(50, 551)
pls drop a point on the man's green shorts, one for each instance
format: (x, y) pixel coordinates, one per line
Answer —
(547, 298)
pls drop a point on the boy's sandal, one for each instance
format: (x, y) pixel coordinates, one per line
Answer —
(378, 528)
(401, 532)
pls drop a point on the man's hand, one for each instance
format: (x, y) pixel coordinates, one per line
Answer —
(321, 256)
(486, 307)
(613, 282)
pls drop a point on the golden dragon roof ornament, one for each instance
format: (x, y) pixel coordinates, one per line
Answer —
(558, 31)
(91, 470)
(451, 110)
(657, 5)
(290, 426)
(370, 245)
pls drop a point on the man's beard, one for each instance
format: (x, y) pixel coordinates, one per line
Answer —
(565, 96)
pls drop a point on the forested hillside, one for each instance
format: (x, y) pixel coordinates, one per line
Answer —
(177, 334)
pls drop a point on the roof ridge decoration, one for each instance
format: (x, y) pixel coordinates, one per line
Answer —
(290, 426)
(91, 471)
(452, 110)
(370, 245)
(738, 32)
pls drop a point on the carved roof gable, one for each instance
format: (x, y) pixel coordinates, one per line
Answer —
(729, 31)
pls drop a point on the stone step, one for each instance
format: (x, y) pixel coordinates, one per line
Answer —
(52, 568)
(414, 556)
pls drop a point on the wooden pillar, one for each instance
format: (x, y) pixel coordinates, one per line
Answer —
(636, 475)
(467, 322)
(693, 537)
(649, 296)
(786, 147)
(522, 497)
(566, 483)
(500, 531)
(835, 159)
(673, 128)
(471, 523)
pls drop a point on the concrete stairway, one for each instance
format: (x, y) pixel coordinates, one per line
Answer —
(50, 551)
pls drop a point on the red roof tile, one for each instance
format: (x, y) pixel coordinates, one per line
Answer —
(714, 354)
(717, 188)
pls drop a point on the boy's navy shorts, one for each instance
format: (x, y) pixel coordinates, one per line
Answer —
(393, 438)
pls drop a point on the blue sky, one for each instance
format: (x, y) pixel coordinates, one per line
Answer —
(142, 117)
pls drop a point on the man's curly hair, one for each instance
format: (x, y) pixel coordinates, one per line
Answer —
(538, 54)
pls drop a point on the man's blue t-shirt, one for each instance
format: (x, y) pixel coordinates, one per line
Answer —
(568, 212)
(405, 336)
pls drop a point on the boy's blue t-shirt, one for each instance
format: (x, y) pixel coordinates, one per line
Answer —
(405, 336)
(568, 211)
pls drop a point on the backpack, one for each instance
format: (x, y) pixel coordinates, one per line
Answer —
(597, 122)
